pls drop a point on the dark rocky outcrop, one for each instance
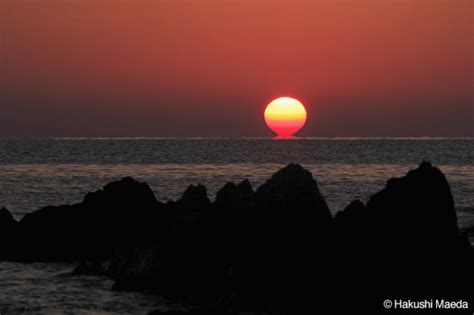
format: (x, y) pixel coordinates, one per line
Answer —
(235, 198)
(6, 219)
(405, 242)
(8, 228)
(122, 216)
(7, 222)
(172, 263)
(248, 250)
(288, 244)
(276, 249)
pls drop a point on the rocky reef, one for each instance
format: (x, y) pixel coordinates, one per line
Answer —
(122, 216)
(276, 249)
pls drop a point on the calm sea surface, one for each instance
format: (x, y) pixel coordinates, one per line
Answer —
(36, 173)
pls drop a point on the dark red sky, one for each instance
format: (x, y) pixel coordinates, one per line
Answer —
(207, 68)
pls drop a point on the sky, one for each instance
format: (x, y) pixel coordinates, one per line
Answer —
(183, 68)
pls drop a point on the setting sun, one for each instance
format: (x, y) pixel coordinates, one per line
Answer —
(285, 116)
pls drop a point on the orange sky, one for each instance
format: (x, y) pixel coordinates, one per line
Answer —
(208, 68)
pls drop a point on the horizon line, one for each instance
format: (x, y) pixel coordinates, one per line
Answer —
(242, 138)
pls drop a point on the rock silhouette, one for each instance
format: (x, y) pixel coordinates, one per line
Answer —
(7, 222)
(118, 218)
(407, 240)
(8, 227)
(274, 249)
(252, 249)
(289, 243)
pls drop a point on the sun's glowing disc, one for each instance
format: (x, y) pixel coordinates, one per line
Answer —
(285, 116)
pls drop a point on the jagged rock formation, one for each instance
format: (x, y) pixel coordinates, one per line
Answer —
(405, 242)
(263, 248)
(122, 216)
(274, 249)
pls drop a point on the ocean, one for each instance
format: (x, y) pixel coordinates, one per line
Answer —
(38, 172)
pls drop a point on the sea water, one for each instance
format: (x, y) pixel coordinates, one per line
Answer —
(39, 172)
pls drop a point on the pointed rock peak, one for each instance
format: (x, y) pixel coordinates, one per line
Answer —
(195, 194)
(289, 188)
(425, 168)
(422, 198)
(354, 208)
(419, 179)
(195, 189)
(292, 177)
(227, 193)
(425, 175)
(122, 189)
(126, 182)
(355, 205)
(427, 172)
(292, 171)
(228, 187)
(232, 194)
(245, 186)
(425, 165)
